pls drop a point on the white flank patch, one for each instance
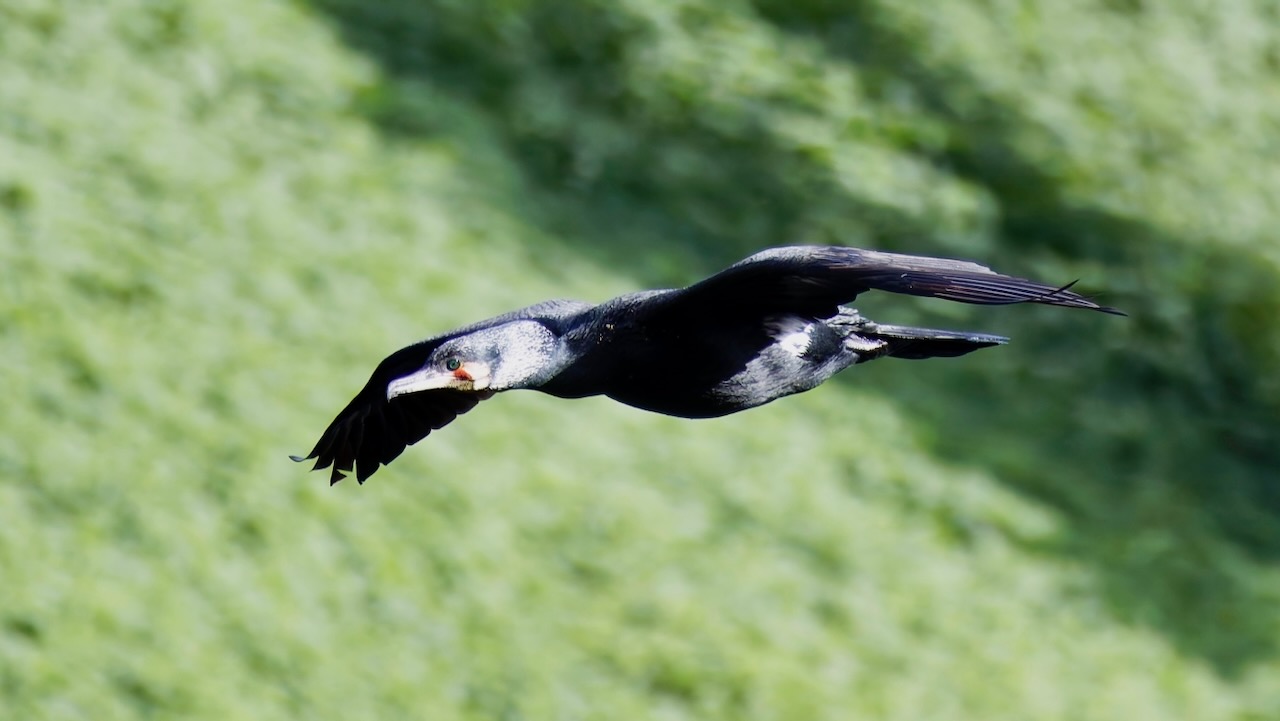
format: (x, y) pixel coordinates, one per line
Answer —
(797, 342)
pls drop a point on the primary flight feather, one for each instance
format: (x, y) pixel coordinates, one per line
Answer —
(768, 326)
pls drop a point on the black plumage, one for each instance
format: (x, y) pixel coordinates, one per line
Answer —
(766, 327)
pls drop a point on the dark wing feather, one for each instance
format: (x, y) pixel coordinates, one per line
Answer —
(814, 280)
(371, 432)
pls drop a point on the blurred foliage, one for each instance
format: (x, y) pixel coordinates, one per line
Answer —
(216, 217)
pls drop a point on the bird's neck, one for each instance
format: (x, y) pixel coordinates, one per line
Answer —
(578, 365)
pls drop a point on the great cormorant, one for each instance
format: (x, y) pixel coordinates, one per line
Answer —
(766, 327)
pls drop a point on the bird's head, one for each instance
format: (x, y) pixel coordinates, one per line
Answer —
(518, 354)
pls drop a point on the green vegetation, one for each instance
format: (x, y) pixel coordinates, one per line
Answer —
(216, 217)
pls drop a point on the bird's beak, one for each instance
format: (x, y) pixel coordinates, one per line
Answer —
(471, 377)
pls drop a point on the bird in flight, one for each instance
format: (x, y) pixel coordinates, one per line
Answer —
(768, 326)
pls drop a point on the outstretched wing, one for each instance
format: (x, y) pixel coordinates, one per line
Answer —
(814, 280)
(372, 431)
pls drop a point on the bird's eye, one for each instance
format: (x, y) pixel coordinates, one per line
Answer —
(452, 364)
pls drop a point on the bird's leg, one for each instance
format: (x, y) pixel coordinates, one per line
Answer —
(848, 322)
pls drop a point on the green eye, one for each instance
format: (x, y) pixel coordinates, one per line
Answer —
(452, 364)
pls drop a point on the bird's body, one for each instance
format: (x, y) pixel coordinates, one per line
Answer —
(718, 369)
(767, 327)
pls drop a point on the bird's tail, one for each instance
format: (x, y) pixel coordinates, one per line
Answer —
(915, 343)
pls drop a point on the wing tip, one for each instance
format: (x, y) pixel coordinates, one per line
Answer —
(1071, 299)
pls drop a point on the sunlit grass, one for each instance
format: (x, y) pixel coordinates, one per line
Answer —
(206, 245)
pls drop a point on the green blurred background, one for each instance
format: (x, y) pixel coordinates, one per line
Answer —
(216, 217)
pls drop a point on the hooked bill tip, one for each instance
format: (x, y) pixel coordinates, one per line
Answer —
(297, 459)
